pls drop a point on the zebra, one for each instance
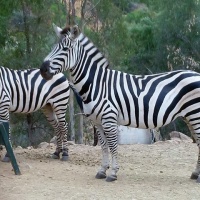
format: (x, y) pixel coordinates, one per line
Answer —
(112, 98)
(25, 91)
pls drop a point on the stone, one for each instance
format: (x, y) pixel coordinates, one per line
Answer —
(176, 134)
(18, 148)
(30, 147)
(70, 143)
(54, 140)
(43, 145)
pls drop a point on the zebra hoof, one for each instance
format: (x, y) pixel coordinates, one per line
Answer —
(195, 176)
(198, 179)
(111, 178)
(100, 175)
(6, 159)
(55, 155)
(65, 158)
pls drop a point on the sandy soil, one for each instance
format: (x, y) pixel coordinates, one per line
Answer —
(153, 172)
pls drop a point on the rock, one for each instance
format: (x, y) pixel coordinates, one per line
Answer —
(51, 146)
(176, 134)
(54, 140)
(70, 143)
(43, 145)
(1, 147)
(29, 148)
(18, 148)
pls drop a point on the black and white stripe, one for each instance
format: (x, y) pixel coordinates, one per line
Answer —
(112, 97)
(25, 91)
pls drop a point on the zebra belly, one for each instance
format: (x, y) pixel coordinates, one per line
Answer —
(187, 107)
(25, 110)
(126, 121)
(132, 122)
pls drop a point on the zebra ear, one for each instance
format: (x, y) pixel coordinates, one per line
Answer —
(75, 31)
(57, 30)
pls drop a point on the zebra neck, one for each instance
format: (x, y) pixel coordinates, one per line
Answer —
(90, 50)
(89, 60)
(90, 69)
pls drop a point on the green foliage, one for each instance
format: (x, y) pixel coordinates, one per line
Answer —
(25, 29)
(178, 26)
(111, 32)
(41, 129)
(140, 25)
(177, 125)
(123, 5)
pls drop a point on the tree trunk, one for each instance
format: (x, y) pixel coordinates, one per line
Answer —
(71, 114)
(71, 97)
(80, 130)
(26, 13)
(83, 4)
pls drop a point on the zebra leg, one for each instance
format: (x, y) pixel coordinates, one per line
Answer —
(6, 158)
(193, 126)
(196, 174)
(111, 135)
(6, 117)
(105, 154)
(65, 155)
(52, 119)
(62, 134)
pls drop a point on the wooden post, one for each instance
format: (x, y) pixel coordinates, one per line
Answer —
(80, 130)
(71, 115)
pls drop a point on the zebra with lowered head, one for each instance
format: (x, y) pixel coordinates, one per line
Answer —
(25, 91)
(112, 97)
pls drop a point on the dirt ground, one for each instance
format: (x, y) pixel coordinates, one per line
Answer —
(153, 172)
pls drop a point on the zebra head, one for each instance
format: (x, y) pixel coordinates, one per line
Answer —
(63, 56)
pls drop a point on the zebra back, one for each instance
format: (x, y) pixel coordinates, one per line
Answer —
(27, 91)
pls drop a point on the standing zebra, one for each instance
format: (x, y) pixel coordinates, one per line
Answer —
(112, 97)
(25, 91)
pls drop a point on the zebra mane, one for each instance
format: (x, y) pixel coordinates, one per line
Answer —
(84, 40)
(72, 31)
(66, 30)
